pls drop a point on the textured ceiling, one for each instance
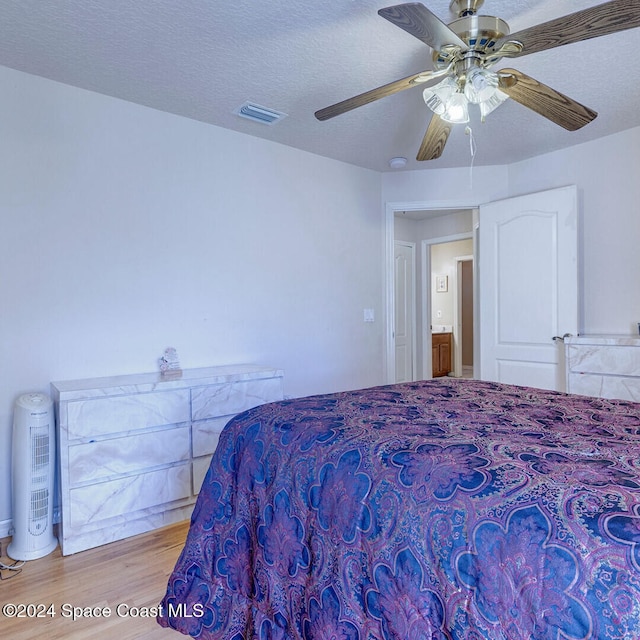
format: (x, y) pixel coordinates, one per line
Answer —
(203, 58)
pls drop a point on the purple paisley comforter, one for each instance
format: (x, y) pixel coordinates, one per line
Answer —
(440, 509)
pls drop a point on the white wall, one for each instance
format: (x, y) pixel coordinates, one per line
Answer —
(446, 188)
(126, 230)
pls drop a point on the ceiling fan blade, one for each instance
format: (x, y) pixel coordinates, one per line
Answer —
(376, 94)
(600, 20)
(434, 139)
(417, 20)
(544, 100)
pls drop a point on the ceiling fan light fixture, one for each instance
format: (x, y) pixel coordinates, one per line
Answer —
(450, 101)
(447, 101)
(480, 85)
(438, 96)
(457, 109)
(491, 103)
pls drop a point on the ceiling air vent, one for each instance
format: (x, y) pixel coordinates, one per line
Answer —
(259, 114)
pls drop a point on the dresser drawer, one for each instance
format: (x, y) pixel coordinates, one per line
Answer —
(605, 359)
(103, 416)
(206, 434)
(106, 458)
(129, 495)
(602, 386)
(230, 398)
(200, 468)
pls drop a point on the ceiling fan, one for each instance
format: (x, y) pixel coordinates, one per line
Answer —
(464, 52)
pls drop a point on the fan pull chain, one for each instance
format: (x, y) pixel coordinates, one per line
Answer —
(472, 149)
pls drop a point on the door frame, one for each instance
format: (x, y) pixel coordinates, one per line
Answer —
(457, 313)
(390, 210)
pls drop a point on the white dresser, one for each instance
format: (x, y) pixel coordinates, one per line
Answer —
(133, 450)
(604, 366)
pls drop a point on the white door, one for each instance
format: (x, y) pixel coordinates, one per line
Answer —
(404, 310)
(528, 287)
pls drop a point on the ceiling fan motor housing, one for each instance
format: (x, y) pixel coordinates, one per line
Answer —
(465, 7)
(480, 33)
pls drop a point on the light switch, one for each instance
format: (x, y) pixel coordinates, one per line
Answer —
(369, 315)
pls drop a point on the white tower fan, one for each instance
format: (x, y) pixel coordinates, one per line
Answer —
(33, 467)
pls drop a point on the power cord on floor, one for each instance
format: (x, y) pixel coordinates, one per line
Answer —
(8, 571)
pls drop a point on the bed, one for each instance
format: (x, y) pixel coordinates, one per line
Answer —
(445, 509)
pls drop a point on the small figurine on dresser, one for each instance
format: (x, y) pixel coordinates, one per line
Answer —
(170, 364)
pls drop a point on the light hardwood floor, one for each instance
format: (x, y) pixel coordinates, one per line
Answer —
(130, 573)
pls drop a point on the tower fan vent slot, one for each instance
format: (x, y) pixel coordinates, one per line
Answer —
(39, 511)
(40, 447)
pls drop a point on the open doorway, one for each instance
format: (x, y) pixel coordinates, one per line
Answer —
(465, 269)
(451, 276)
(425, 228)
